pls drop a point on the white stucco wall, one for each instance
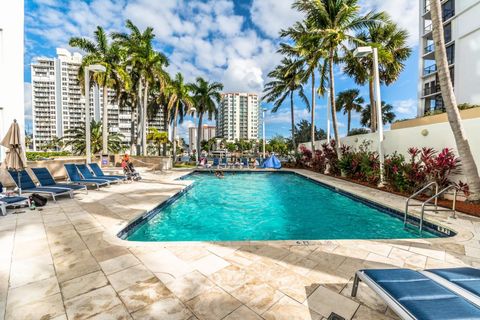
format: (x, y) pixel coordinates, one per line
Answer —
(467, 50)
(439, 136)
(11, 66)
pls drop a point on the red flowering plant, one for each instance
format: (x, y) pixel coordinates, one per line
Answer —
(304, 157)
(362, 165)
(330, 153)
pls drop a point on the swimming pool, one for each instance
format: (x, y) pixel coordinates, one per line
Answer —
(267, 206)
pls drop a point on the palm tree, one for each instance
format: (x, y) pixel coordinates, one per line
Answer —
(349, 101)
(205, 95)
(333, 21)
(387, 114)
(100, 51)
(180, 102)
(287, 78)
(469, 167)
(159, 138)
(303, 130)
(149, 66)
(308, 51)
(393, 51)
(76, 139)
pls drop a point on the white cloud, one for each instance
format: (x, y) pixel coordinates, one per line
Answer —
(271, 16)
(403, 12)
(406, 107)
(182, 128)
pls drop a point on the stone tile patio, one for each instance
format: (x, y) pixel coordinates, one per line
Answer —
(65, 262)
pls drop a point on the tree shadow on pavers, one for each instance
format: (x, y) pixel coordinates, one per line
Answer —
(329, 276)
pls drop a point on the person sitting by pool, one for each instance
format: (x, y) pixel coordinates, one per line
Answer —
(254, 163)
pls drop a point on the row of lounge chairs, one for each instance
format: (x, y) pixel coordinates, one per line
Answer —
(223, 162)
(436, 294)
(79, 177)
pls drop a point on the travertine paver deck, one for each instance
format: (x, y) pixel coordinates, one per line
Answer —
(66, 262)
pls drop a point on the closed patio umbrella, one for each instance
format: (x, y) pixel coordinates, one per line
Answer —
(15, 158)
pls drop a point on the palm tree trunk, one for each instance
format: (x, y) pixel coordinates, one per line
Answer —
(292, 111)
(373, 110)
(199, 135)
(349, 121)
(105, 121)
(333, 104)
(469, 167)
(144, 120)
(133, 119)
(139, 117)
(166, 116)
(174, 133)
(312, 128)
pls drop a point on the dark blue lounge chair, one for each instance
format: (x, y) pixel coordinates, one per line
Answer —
(46, 179)
(464, 281)
(245, 162)
(75, 177)
(216, 162)
(25, 184)
(87, 174)
(6, 201)
(413, 295)
(98, 172)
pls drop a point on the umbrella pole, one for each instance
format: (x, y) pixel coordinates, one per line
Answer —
(19, 183)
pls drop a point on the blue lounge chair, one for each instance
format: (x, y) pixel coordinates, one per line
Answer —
(464, 281)
(245, 162)
(25, 184)
(224, 162)
(98, 172)
(75, 177)
(6, 201)
(413, 295)
(216, 162)
(87, 174)
(46, 179)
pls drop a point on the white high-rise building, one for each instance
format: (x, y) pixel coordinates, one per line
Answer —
(58, 103)
(462, 38)
(208, 132)
(238, 116)
(11, 66)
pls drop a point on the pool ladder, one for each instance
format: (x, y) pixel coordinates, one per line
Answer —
(431, 204)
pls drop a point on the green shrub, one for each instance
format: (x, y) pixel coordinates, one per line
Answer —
(35, 156)
(357, 131)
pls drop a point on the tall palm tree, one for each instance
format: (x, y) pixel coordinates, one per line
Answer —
(349, 101)
(393, 51)
(286, 79)
(76, 139)
(180, 102)
(307, 50)
(205, 96)
(148, 64)
(334, 21)
(387, 114)
(100, 51)
(469, 167)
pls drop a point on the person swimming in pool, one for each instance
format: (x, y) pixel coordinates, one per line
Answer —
(219, 174)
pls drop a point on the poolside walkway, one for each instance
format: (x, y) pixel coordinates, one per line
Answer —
(65, 262)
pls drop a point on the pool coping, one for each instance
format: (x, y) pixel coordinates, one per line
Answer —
(437, 227)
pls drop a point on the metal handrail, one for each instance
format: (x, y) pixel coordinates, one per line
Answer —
(416, 194)
(436, 198)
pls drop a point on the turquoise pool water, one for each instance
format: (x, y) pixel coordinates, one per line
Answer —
(266, 206)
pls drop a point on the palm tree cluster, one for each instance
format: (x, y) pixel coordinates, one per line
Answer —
(136, 71)
(325, 40)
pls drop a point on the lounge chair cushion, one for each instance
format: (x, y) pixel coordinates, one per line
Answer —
(46, 190)
(44, 176)
(9, 200)
(75, 176)
(25, 182)
(465, 278)
(99, 172)
(421, 296)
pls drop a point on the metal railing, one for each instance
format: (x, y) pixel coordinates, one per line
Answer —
(429, 70)
(408, 205)
(435, 197)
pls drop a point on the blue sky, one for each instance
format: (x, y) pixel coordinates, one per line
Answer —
(230, 41)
